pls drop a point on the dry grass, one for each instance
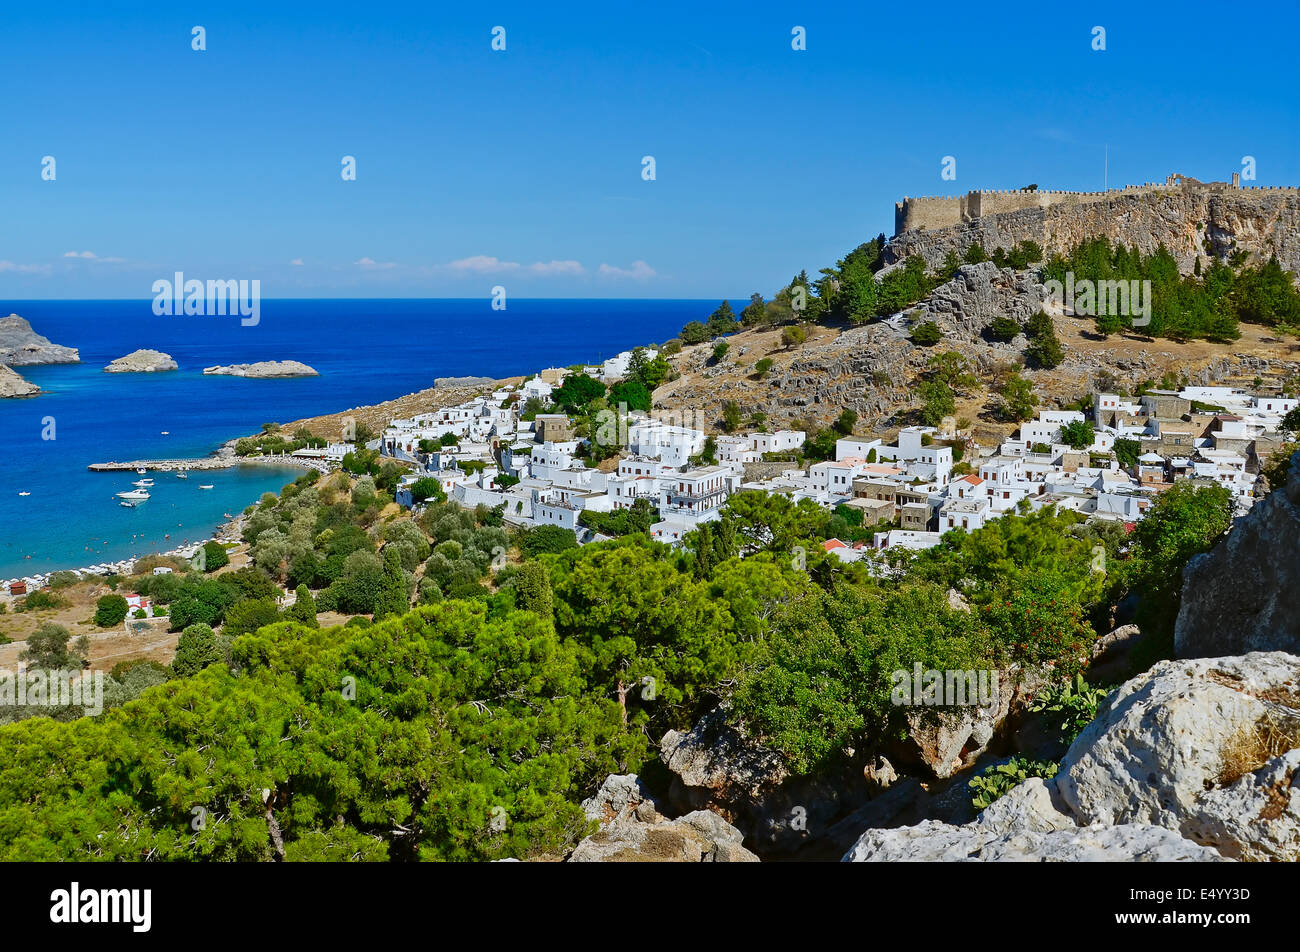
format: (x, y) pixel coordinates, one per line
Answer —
(1252, 747)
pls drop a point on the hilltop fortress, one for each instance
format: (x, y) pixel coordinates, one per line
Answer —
(1191, 218)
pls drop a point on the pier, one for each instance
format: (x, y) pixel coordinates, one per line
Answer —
(207, 463)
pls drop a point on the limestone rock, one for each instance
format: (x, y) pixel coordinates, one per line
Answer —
(142, 361)
(265, 368)
(1241, 595)
(1158, 751)
(20, 346)
(12, 385)
(1026, 826)
(951, 741)
(932, 841)
(633, 831)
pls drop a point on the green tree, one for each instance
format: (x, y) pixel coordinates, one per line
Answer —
(214, 556)
(722, 321)
(694, 333)
(1078, 435)
(110, 611)
(1018, 398)
(48, 648)
(303, 610)
(731, 416)
(195, 649)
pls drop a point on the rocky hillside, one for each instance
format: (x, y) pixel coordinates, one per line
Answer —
(874, 369)
(1192, 220)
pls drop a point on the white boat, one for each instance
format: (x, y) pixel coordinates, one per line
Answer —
(24, 493)
(206, 487)
(181, 474)
(143, 483)
(141, 471)
(136, 495)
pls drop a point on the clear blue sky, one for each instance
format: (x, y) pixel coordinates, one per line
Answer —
(523, 167)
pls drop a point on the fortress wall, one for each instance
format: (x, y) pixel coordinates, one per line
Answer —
(1262, 221)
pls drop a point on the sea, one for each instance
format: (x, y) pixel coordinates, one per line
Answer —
(367, 351)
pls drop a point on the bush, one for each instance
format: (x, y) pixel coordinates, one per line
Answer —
(110, 611)
(214, 556)
(763, 366)
(1003, 329)
(41, 600)
(927, 334)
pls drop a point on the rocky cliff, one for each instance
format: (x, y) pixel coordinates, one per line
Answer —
(1190, 221)
(1244, 594)
(20, 346)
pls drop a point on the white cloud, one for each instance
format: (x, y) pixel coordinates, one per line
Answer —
(483, 264)
(491, 264)
(639, 270)
(296, 261)
(370, 264)
(556, 267)
(24, 268)
(91, 256)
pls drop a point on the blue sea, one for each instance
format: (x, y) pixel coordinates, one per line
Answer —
(367, 351)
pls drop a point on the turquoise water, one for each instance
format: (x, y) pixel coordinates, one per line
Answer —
(366, 351)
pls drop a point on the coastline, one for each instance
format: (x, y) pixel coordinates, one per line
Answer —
(224, 457)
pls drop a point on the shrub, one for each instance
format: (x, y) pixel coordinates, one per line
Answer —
(1003, 329)
(110, 611)
(927, 334)
(763, 366)
(41, 600)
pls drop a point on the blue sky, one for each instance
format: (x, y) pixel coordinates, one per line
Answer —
(523, 168)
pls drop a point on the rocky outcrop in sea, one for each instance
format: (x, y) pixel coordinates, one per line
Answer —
(12, 385)
(142, 361)
(265, 368)
(20, 346)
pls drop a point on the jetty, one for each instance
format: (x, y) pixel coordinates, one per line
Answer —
(208, 462)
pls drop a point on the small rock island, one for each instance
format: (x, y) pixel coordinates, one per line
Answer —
(265, 368)
(142, 362)
(12, 385)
